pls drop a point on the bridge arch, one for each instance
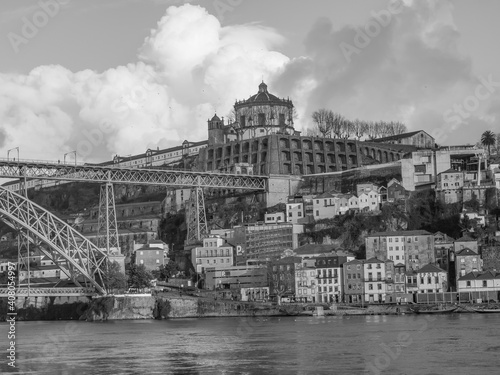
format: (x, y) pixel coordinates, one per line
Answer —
(69, 249)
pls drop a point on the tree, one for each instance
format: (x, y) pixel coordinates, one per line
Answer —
(139, 277)
(488, 139)
(323, 120)
(167, 271)
(394, 216)
(114, 279)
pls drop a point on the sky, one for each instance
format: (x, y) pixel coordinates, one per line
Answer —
(97, 78)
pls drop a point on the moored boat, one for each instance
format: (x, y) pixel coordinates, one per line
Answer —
(434, 311)
(486, 310)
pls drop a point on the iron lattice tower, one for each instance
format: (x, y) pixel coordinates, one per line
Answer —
(196, 217)
(107, 227)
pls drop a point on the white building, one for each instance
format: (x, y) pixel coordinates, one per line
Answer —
(326, 206)
(369, 201)
(214, 253)
(294, 212)
(277, 217)
(305, 281)
(432, 279)
(488, 281)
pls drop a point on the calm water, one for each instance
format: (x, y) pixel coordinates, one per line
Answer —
(451, 344)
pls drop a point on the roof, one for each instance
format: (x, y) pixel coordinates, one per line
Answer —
(373, 260)
(263, 96)
(314, 249)
(466, 252)
(487, 275)
(355, 261)
(328, 194)
(399, 265)
(466, 239)
(402, 233)
(451, 170)
(430, 268)
(398, 136)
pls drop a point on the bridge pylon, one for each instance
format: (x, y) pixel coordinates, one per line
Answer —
(107, 227)
(196, 217)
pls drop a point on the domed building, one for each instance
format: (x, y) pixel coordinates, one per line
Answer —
(260, 115)
(261, 139)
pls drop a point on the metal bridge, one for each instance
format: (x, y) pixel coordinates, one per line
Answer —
(49, 170)
(72, 252)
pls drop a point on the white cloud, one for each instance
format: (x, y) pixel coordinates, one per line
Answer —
(187, 68)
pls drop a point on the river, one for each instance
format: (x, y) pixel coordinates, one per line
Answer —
(410, 344)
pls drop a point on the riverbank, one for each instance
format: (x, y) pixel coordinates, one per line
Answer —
(145, 306)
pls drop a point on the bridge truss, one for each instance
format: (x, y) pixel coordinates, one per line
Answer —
(73, 253)
(45, 170)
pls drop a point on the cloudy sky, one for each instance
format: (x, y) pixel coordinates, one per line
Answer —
(106, 77)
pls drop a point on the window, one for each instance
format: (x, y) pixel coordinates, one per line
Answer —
(429, 280)
(141, 261)
(370, 286)
(379, 286)
(485, 283)
(468, 283)
(157, 261)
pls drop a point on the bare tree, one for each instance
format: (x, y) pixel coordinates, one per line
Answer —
(322, 119)
(399, 128)
(359, 128)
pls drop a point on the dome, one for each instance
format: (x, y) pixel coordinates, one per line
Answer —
(215, 118)
(263, 96)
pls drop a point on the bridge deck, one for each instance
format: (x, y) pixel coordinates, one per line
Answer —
(48, 292)
(49, 170)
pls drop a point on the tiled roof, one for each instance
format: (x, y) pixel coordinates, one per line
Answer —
(354, 261)
(430, 268)
(487, 275)
(451, 170)
(465, 252)
(374, 260)
(465, 239)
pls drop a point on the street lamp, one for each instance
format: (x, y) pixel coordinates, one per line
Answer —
(71, 152)
(12, 149)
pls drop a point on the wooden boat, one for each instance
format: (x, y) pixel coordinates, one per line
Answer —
(486, 311)
(434, 311)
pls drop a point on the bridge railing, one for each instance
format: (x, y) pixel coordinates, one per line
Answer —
(33, 292)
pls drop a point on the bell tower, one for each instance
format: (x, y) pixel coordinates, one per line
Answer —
(215, 130)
